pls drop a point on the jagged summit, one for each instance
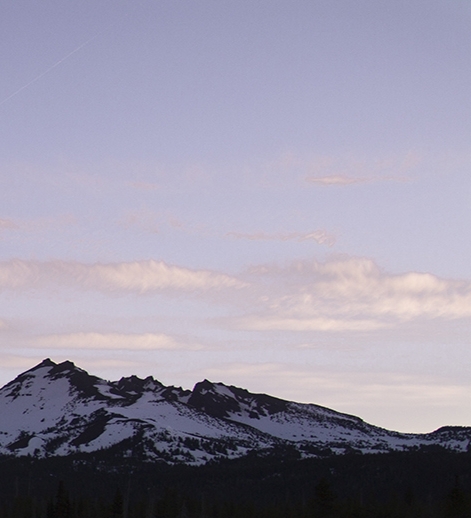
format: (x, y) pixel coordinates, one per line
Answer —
(47, 362)
(61, 409)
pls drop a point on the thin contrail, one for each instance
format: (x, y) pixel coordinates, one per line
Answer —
(37, 78)
(42, 74)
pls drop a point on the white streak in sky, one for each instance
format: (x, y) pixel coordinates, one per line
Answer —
(122, 341)
(56, 64)
(37, 78)
(138, 277)
(320, 236)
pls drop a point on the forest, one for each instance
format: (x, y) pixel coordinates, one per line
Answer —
(427, 483)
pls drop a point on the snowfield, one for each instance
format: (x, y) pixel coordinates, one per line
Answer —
(60, 409)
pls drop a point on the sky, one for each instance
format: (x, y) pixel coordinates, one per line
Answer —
(275, 195)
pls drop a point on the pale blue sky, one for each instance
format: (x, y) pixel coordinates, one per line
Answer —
(274, 194)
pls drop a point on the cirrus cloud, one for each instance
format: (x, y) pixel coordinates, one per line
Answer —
(125, 277)
(320, 236)
(8, 224)
(350, 294)
(341, 294)
(112, 341)
(339, 180)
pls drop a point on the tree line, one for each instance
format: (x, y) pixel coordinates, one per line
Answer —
(429, 484)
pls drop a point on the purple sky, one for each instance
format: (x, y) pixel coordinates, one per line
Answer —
(275, 195)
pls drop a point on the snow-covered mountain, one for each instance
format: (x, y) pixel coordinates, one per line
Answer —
(60, 409)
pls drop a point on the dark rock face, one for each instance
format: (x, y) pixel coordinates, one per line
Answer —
(222, 401)
(206, 399)
(60, 409)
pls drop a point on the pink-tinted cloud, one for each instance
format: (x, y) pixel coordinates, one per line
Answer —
(342, 180)
(144, 186)
(341, 294)
(35, 226)
(138, 277)
(347, 170)
(320, 236)
(414, 398)
(113, 341)
(338, 180)
(8, 224)
(350, 294)
(145, 220)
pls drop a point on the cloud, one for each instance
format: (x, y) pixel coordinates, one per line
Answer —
(292, 376)
(13, 364)
(8, 224)
(346, 170)
(17, 363)
(299, 383)
(143, 219)
(138, 277)
(153, 222)
(320, 236)
(258, 323)
(342, 294)
(144, 186)
(410, 398)
(338, 180)
(148, 276)
(112, 341)
(349, 294)
(38, 225)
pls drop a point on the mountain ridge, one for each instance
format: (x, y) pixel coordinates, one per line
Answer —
(61, 409)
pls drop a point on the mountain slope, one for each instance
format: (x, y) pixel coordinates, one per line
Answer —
(60, 409)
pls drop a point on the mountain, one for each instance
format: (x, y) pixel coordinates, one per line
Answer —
(60, 409)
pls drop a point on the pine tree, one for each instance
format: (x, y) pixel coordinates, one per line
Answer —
(62, 507)
(456, 505)
(324, 498)
(116, 508)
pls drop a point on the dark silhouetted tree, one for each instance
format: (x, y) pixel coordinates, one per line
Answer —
(116, 508)
(61, 507)
(324, 498)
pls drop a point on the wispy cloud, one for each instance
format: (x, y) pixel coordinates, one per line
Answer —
(356, 392)
(350, 294)
(144, 186)
(8, 224)
(102, 366)
(339, 295)
(262, 323)
(36, 225)
(339, 180)
(327, 171)
(153, 222)
(320, 236)
(138, 277)
(113, 341)
(145, 220)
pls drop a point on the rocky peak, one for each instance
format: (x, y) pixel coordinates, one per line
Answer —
(60, 409)
(209, 398)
